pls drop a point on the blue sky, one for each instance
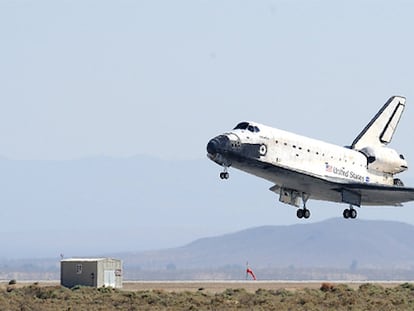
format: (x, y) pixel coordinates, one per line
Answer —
(160, 78)
(119, 78)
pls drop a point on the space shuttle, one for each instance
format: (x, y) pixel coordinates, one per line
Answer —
(302, 168)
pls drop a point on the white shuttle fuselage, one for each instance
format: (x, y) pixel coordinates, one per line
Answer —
(303, 168)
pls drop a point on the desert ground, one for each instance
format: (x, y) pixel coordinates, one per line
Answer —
(249, 286)
(218, 286)
(251, 295)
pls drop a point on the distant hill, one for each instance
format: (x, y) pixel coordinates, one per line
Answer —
(334, 243)
(335, 249)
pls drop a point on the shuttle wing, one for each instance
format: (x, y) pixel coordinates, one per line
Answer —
(331, 190)
(381, 128)
(382, 195)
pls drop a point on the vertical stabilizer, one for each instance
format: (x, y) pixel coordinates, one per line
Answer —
(380, 130)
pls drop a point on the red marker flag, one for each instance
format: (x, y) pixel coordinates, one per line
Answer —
(250, 271)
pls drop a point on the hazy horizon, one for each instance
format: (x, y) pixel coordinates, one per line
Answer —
(104, 205)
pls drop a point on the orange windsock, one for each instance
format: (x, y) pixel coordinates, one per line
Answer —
(250, 271)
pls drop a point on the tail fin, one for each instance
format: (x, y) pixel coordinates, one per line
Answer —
(381, 128)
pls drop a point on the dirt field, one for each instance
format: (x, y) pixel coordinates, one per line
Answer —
(249, 286)
(217, 286)
(212, 296)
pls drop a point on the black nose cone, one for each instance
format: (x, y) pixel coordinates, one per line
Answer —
(212, 147)
(217, 144)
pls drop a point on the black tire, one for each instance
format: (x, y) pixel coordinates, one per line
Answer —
(299, 213)
(353, 214)
(222, 175)
(306, 213)
(346, 213)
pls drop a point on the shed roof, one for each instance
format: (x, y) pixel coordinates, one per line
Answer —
(87, 259)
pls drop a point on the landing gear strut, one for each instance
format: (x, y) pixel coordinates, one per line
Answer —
(303, 212)
(350, 212)
(224, 174)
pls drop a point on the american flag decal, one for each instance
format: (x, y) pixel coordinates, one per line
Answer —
(328, 167)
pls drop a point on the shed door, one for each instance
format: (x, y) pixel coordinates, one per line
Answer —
(109, 278)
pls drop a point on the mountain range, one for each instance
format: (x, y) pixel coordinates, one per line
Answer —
(334, 243)
(331, 249)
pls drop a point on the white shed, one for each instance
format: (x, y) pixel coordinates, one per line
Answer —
(95, 272)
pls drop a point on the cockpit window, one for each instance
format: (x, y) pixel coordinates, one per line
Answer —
(242, 126)
(247, 126)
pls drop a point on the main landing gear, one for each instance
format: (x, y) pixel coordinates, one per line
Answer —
(303, 212)
(224, 174)
(350, 213)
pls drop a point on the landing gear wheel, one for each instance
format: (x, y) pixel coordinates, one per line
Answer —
(303, 213)
(224, 175)
(346, 213)
(350, 213)
(353, 213)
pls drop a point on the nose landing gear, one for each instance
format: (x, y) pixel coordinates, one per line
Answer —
(224, 174)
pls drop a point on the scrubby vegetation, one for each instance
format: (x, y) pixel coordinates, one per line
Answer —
(328, 297)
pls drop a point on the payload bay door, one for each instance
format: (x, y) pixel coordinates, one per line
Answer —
(109, 278)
